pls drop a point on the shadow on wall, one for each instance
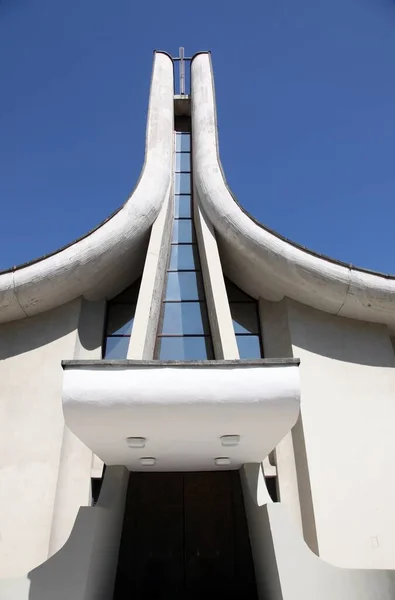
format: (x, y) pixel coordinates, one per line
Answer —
(91, 325)
(85, 568)
(285, 567)
(342, 339)
(28, 334)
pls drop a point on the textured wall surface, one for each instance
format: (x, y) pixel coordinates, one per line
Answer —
(286, 569)
(73, 488)
(85, 568)
(348, 412)
(31, 428)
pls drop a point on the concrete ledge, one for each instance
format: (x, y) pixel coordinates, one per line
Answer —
(100, 364)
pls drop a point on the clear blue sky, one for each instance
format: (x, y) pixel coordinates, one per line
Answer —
(306, 103)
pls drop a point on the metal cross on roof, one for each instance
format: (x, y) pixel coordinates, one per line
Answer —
(182, 58)
(182, 72)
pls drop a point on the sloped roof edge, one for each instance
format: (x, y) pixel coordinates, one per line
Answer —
(261, 261)
(96, 264)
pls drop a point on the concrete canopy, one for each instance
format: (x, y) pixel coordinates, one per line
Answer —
(181, 410)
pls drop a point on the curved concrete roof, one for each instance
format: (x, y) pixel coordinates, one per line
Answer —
(259, 260)
(103, 262)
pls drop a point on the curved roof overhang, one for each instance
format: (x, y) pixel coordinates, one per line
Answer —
(111, 256)
(259, 260)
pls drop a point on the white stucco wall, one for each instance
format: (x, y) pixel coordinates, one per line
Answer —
(348, 413)
(85, 567)
(143, 338)
(222, 332)
(31, 428)
(277, 343)
(73, 488)
(286, 569)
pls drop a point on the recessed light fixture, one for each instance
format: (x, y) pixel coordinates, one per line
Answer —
(136, 442)
(147, 461)
(230, 440)
(222, 460)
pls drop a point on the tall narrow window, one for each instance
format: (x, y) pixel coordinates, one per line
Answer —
(119, 322)
(245, 317)
(184, 332)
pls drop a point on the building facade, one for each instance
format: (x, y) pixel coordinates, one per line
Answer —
(191, 402)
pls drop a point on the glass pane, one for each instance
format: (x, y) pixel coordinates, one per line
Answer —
(185, 318)
(182, 183)
(130, 294)
(183, 162)
(248, 346)
(116, 347)
(235, 293)
(245, 317)
(120, 318)
(184, 286)
(182, 231)
(183, 258)
(184, 348)
(183, 142)
(182, 207)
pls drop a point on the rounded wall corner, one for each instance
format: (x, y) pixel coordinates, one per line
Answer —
(155, 52)
(208, 52)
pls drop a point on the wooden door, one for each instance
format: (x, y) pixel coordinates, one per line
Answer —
(151, 562)
(185, 536)
(209, 535)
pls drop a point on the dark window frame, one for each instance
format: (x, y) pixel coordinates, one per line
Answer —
(201, 293)
(116, 302)
(246, 300)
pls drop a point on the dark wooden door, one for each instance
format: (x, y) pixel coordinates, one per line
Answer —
(184, 537)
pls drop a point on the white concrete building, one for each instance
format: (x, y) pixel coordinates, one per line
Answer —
(238, 388)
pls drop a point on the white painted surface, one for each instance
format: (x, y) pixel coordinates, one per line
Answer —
(15, 589)
(262, 263)
(146, 320)
(31, 427)
(181, 411)
(221, 325)
(348, 412)
(101, 264)
(304, 576)
(277, 342)
(85, 568)
(286, 569)
(73, 488)
(97, 467)
(269, 468)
